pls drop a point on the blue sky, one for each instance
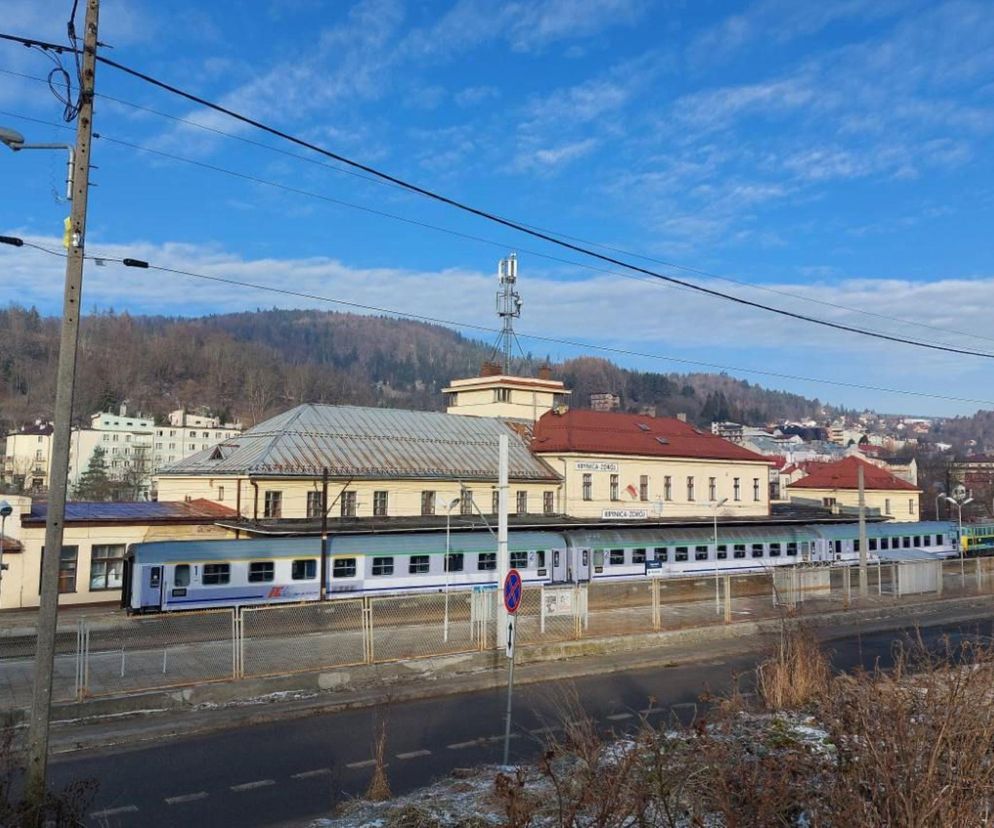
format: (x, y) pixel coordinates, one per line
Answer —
(835, 151)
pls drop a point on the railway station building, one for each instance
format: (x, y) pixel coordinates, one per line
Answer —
(836, 486)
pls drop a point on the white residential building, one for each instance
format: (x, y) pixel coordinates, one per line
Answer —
(187, 434)
(26, 457)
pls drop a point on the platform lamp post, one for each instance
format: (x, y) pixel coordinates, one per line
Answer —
(717, 584)
(5, 512)
(445, 563)
(15, 141)
(959, 504)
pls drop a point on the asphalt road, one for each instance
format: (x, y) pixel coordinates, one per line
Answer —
(288, 771)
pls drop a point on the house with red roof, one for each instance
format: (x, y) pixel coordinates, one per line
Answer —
(836, 485)
(616, 465)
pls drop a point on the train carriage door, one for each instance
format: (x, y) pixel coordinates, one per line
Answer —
(559, 566)
(581, 565)
(151, 588)
(127, 569)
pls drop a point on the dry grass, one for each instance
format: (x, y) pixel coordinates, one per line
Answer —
(379, 785)
(797, 674)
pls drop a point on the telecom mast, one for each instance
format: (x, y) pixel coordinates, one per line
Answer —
(508, 305)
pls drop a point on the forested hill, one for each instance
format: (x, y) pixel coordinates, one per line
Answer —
(251, 365)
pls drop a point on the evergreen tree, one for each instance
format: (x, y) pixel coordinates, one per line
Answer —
(95, 483)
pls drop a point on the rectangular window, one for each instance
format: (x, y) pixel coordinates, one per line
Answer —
(181, 575)
(548, 503)
(722, 552)
(690, 489)
(614, 487)
(588, 487)
(911, 506)
(661, 553)
(348, 504)
(106, 563)
(502, 395)
(494, 502)
(739, 550)
(419, 565)
(885, 543)
(598, 560)
(792, 549)
(755, 489)
(828, 502)
(887, 506)
(918, 540)
(304, 569)
(712, 489)
(519, 560)
(261, 572)
(486, 561)
(273, 505)
(379, 504)
(540, 559)
(737, 489)
(680, 554)
(521, 503)
(343, 568)
(872, 544)
(638, 556)
(774, 550)
(383, 566)
(667, 488)
(644, 487)
(216, 574)
(907, 543)
(700, 553)
(220, 493)
(927, 539)
(454, 562)
(465, 502)
(314, 502)
(427, 503)
(757, 550)
(617, 557)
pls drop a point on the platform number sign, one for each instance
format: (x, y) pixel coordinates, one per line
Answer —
(512, 591)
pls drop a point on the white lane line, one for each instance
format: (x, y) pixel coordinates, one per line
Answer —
(179, 800)
(617, 717)
(461, 745)
(366, 763)
(251, 786)
(547, 729)
(650, 710)
(414, 754)
(109, 812)
(501, 738)
(311, 773)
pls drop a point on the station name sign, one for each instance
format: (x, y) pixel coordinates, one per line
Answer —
(591, 466)
(625, 514)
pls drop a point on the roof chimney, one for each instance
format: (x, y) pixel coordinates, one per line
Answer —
(545, 372)
(491, 369)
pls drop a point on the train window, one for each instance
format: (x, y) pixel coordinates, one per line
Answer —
(519, 560)
(617, 557)
(540, 558)
(555, 558)
(739, 550)
(638, 556)
(700, 553)
(907, 542)
(383, 566)
(418, 565)
(680, 554)
(304, 570)
(918, 540)
(774, 550)
(927, 540)
(885, 543)
(343, 568)
(938, 540)
(216, 574)
(599, 558)
(873, 544)
(261, 571)
(487, 561)
(454, 562)
(722, 553)
(661, 553)
(181, 577)
(757, 550)
(855, 545)
(791, 549)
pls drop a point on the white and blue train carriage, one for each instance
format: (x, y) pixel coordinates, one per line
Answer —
(840, 542)
(174, 575)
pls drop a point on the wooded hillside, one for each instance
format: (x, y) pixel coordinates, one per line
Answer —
(250, 365)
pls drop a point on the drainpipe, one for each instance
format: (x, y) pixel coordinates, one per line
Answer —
(255, 500)
(238, 498)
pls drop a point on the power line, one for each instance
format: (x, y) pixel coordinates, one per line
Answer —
(579, 344)
(418, 223)
(514, 225)
(557, 239)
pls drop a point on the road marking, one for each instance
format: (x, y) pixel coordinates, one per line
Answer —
(617, 717)
(547, 729)
(366, 763)
(179, 800)
(650, 710)
(414, 754)
(251, 786)
(109, 812)
(312, 773)
(461, 745)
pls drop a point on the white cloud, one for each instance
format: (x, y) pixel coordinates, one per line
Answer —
(551, 159)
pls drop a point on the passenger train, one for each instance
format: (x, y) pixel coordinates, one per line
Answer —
(177, 575)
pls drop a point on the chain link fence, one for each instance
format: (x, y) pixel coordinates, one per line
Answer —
(108, 655)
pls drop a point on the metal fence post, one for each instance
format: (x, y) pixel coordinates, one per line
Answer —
(657, 621)
(367, 629)
(80, 632)
(728, 599)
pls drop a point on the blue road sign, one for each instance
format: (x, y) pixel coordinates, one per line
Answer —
(512, 591)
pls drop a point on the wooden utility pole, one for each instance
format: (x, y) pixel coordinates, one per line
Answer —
(864, 581)
(41, 705)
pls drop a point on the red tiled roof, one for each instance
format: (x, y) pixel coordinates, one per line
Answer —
(844, 474)
(603, 432)
(208, 508)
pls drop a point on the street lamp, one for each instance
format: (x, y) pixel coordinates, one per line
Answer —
(959, 504)
(13, 139)
(5, 512)
(448, 517)
(717, 592)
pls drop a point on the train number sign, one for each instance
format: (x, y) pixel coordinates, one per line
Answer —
(512, 591)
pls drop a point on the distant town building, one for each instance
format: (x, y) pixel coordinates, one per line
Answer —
(500, 395)
(605, 402)
(836, 485)
(26, 457)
